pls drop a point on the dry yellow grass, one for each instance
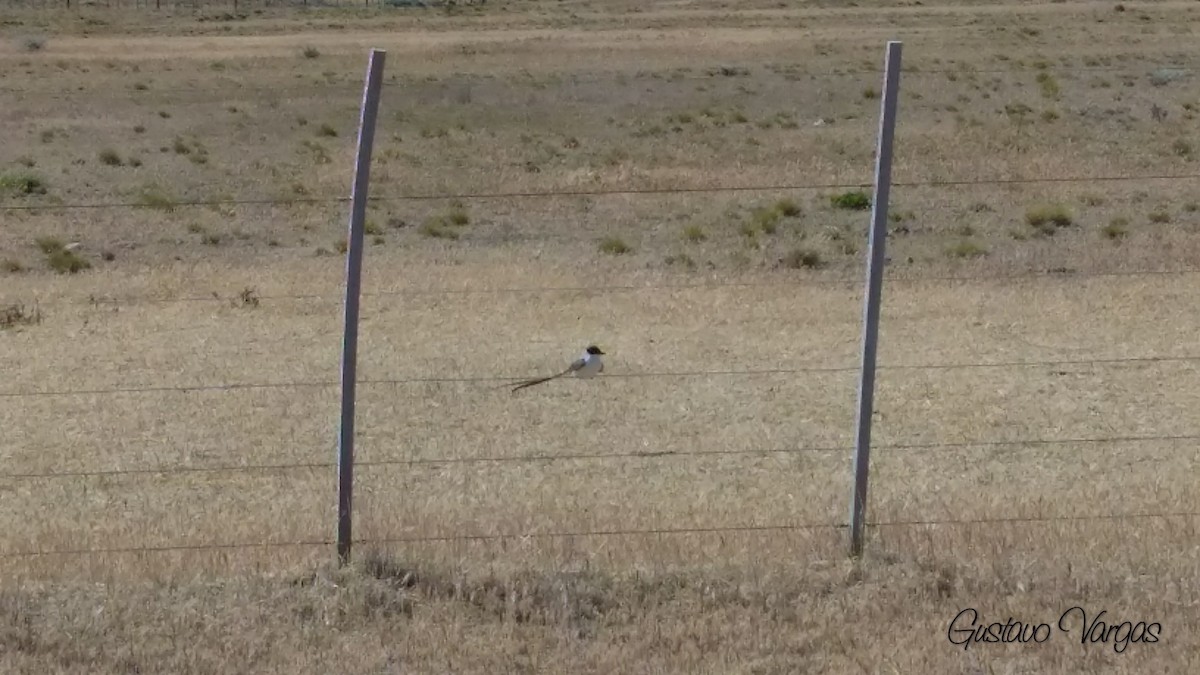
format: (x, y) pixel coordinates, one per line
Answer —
(680, 513)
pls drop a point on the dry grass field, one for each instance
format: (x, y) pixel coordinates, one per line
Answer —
(173, 211)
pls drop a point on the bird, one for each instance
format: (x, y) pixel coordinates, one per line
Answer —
(588, 365)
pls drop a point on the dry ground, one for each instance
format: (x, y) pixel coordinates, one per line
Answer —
(679, 514)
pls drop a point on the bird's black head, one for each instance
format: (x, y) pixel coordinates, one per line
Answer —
(594, 350)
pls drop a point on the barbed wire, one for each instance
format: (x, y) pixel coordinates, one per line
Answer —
(1066, 274)
(230, 89)
(601, 456)
(600, 192)
(742, 529)
(614, 376)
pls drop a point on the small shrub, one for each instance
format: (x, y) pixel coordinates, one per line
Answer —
(139, 129)
(870, 93)
(247, 298)
(966, 248)
(1160, 216)
(12, 266)
(787, 208)
(372, 228)
(310, 52)
(33, 44)
(765, 220)
(1045, 215)
(135, 162)
(156, 198)
(614, 246)
(109, 157)
(1182, 148)
(67, 262)
(49, 245)
(23, 183)
(211, 239)
(694, 234)
(12, 316)
(681, 259)
(342, 246)
(26, 161)
(799, 258)
(457, 215)
(855, 200)
(438, 228)
(1050, 88)
(326, 130)
(1117, 228)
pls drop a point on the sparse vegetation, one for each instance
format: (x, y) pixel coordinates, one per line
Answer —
(457, 215)
(765, 220)
(33, 44)
(680, 259)
(799, 258)
(1160, 216)
(695, 315)
(155, 197)
(438, 228)
(1048, 84)
(856, 200)
(966, 248)
(447, 224)
(109, 157)
(48, 245)
(1117, 228)
(787, 208)
(1048, 217)
(614, 246)
(310, 52)
(22, 183)
(247, 298)
(65, 261)
(14, 315)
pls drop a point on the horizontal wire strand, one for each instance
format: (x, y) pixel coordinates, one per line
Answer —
(551, 194)
(617, 376)
(602, 533)
(361, 464)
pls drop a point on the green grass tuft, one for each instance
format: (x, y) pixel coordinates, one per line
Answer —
(855, 200)
(614, 246)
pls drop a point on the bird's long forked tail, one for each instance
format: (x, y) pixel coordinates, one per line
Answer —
(540, 380)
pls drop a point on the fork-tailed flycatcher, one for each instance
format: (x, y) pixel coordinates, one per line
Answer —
(587, 365)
